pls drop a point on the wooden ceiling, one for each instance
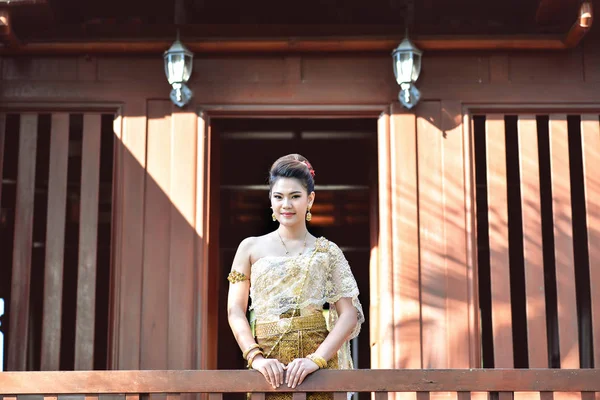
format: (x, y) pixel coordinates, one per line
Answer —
(44, 21)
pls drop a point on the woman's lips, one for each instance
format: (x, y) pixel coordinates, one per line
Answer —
(287, 215)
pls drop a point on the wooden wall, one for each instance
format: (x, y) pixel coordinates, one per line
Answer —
(423, 293)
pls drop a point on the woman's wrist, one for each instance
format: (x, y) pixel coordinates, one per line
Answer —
(320, 361)
(256, 355)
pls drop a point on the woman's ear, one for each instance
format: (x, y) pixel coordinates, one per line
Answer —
(311, 199)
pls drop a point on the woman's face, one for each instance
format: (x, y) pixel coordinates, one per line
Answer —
(290, 201)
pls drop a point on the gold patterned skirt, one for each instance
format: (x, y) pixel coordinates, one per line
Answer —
(291, 338)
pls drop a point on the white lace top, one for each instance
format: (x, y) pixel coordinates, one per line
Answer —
(281, 283)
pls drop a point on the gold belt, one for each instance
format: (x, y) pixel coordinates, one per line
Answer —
(313, 321)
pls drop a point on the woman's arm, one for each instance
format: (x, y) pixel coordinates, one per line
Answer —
(237, 306)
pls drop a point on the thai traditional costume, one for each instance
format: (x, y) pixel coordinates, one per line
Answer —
(288, 295)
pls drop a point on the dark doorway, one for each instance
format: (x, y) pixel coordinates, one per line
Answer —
(344, 155)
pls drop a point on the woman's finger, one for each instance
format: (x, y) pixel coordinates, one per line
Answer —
(302, 376)
(280, 374)
(276, 373)
(297, 375)
(291, 373)
(271, 373)
(265, 373)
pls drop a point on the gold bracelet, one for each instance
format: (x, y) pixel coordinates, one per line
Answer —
(252, 356)
(249, 349)
(320, 361)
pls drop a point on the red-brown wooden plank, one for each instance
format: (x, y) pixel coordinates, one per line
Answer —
(431, 235)
(563, 242)
(300, 396)
(498, 234)
(455, 272)
(242, 381)
(532, 242)
(21, 274)
(116, 242)
(340, 396)
(473, 329)
(532, 248)
(183, 240)
(55, 242)
(454, 209)
(155, 296)
(406, 321)
(215, 396)
(204, 350)
(133, 164)
(257, 396)
(563, 247)
(88, 234)
(382, 299)
(590, 140)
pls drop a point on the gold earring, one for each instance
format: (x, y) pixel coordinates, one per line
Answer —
(308, 215)
(273, 216)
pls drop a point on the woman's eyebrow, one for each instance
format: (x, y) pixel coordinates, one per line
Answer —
(294, 192)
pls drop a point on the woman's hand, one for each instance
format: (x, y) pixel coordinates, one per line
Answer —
(272, 370)
(299, 369)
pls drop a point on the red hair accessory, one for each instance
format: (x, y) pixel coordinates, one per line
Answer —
(310, 168)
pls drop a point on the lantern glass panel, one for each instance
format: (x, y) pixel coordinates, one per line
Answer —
(175, 68)
(403, 66)
(187, 67)
(416, 71)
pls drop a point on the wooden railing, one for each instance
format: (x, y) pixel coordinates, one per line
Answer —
(381, 382)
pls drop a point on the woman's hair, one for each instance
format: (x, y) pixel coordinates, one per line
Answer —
(293, 166)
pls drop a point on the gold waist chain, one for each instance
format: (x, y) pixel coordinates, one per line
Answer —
(314, 321)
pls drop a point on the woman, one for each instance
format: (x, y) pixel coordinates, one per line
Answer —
(289, 275)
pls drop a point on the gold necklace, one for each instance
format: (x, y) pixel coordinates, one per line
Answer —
(285, 247)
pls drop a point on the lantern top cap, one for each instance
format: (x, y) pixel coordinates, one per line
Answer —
(178, 47)
(405, 46)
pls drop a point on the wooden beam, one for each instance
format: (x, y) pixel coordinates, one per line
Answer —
(298, 45)
(242, 381)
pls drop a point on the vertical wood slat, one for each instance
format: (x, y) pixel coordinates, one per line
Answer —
(563, 242)
(202, 345)
(257, 396)
(405, 250)
(133, 148)
(560, 175)
(433, 278)
(215, 396)
(532, 242)
(590, 137)
(455, 240)
(498, 234)
(471, 244)
(384, 339)
(340, 396)
(300, 396)
(533, 258)
(2, 140)
(155, 296)
(23, 236)
(116, 242)
(88, 233)
(183, 239)
(55, 242)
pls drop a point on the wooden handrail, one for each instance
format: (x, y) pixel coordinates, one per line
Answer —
(220, 381)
